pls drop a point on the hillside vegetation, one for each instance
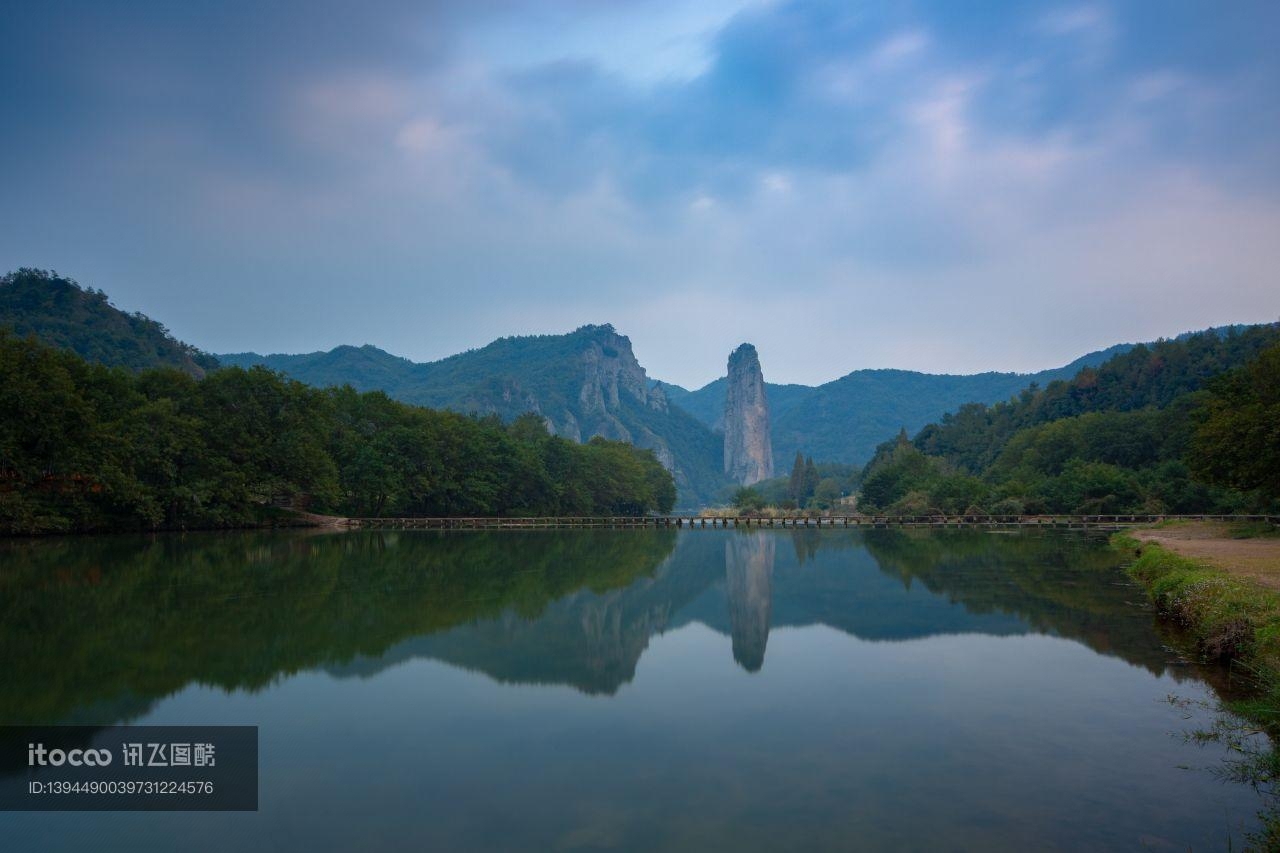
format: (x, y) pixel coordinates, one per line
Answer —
(61, 313)
(582, 384)
(87, 447)
(846, 419)
(1179, 426)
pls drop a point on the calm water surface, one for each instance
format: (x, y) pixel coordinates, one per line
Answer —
(587, 690)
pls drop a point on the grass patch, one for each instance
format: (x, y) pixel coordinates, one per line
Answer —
(1229, 618)
(1253, 530)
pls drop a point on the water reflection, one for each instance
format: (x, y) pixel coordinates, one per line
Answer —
(748, 571)
(129, 620)
(949, 690)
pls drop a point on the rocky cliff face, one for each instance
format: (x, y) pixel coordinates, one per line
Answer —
(582, 384)
(748, 448)
(613, 386)
(610, 373)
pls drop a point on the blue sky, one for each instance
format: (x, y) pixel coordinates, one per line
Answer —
(943, 186)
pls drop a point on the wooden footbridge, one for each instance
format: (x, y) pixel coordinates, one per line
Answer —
(695, 521)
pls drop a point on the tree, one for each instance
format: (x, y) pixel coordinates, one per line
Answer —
(87, 447)
(748, 499)
(810, 480)
(826, 494)
(1237, 439)
(795, 485)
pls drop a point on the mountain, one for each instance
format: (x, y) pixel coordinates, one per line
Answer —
(1134, 435)
(61, 313)
(588, 383)
(365, 368)
(707, 403)
(1146, 378)
(845, 419)
(583, 384)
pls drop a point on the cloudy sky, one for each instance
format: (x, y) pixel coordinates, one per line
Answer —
(944, 186)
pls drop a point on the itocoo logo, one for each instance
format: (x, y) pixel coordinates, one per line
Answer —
(38, 755)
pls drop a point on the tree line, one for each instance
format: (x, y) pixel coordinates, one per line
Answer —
(810, 486)
(1187, 425)
(84, 447)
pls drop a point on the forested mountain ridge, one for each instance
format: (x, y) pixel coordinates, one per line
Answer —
(61, 313)
(1152, 375)
(845, 419)
(582, 384)
(589, 383)
(364, 368)
(1177, 426)
(84, 447)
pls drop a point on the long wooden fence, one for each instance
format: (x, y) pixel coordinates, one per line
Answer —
(1071, 522)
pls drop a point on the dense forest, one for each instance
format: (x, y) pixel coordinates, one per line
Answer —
(61, 313)
(84, 446)
(1179, 426)
(587, 382)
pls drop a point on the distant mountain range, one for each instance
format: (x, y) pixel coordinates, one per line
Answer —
(843, 420)
(588, 382)
(584, 383)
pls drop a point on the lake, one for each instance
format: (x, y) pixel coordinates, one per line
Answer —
(628, 690)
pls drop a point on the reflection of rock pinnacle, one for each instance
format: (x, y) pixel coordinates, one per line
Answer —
(748, 564)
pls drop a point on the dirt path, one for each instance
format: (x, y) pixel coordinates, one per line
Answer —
(1256, 559)
(334, 521)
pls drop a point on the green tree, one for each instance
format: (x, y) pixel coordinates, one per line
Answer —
(826, 494)
(795, 484)
(809, 480)
(1237, 440)
(86, 447)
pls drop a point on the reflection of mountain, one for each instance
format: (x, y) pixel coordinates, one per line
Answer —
(104, 626)
(878, 585)
(748, 572)
(589, 640)
(98, 629)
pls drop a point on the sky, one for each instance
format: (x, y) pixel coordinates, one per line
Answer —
(940, 186)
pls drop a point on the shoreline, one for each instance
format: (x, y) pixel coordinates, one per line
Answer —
(1232, 616)
(1232, 549)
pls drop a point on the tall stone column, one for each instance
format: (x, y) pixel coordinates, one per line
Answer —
(748, 448)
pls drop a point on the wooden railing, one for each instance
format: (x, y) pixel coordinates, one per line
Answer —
(875, 521)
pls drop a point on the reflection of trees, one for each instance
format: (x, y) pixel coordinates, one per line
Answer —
(96, 629)
(807, 540)
(748, 567)
(1060, 584)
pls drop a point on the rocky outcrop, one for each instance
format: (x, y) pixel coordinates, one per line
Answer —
(583, 384)
(610, 370)
(748, 448)
(612, 379)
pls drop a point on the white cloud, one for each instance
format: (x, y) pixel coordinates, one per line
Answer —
(900, 47)
(1076, 20)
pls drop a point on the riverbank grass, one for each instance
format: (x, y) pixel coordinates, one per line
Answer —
(1230, 618)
